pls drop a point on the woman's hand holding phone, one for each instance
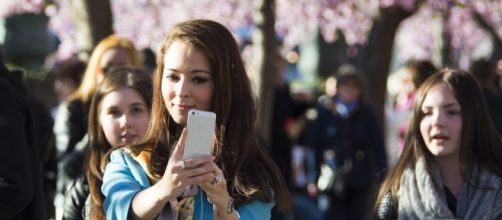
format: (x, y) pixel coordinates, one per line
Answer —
(179, 173)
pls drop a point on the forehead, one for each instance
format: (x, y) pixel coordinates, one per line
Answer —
(116, 55)
(439, 94)
(181, 54)
(122, 97)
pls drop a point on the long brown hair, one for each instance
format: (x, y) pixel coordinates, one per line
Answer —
(98, 147)
(480, 146)
(90, 79)
(249, 170)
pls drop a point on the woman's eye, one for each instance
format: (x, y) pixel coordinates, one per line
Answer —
(172, 77)
(115, 113)
(137, 110)
(426, 113)
(200, 80)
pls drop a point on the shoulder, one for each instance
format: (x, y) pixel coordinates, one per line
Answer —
(122, 156)
(256, 210)
(386, 208)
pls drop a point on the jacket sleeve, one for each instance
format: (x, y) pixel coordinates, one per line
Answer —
(255, 210)
(386, 209)
(70, 126)
(123, 178)
(74, 206)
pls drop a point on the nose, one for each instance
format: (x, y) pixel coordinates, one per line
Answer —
(182, 88)
(125, 120)
(438, 118)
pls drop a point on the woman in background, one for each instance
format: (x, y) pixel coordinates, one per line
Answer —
(450, 167)
(70, 124)
(119, 115)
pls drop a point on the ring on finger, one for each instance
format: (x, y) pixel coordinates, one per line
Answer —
(216, 180)
(184, 166)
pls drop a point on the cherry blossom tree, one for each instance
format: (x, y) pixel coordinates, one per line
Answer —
(449, 32)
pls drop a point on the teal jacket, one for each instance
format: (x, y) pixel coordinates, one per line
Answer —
(124, 177)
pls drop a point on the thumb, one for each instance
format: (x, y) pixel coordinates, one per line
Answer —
(180, 147)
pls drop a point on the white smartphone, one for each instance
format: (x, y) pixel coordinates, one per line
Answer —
(200, 126)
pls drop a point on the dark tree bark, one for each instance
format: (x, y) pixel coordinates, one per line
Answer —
(497, 41)
(93, 21)
(377, 55)
(447, 58)
(264, 62)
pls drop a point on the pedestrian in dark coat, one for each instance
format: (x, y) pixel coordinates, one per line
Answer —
(21, 187)
(347, 134)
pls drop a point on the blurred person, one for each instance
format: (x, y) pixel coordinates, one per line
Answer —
(201, 68)
(286, 109)
(148, 59)
(67, 77)
(450, 167)
(21, 183)
(398, 107)
(485, 73)
(118, 116)
(71, 120)
(349, 142)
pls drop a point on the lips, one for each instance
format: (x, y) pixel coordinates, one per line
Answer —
(440, 137)
(128, 138)
(182, 107)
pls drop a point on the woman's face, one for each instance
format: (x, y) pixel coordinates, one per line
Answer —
(124, 116)
(441, 123)
(186, 81)
(113, 57)
(349, 92)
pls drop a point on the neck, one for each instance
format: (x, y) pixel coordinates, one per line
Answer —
(450, 174)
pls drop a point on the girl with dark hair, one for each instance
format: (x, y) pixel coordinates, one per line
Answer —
(450, 167)
(118, 116)
(70, 124)
(200, 67)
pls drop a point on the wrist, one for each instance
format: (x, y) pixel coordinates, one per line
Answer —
(227, 207)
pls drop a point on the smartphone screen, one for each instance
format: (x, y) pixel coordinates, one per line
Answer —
(200, 126)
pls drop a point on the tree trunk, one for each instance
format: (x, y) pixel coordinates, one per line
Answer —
(264, 45)
(93, 21)
(378, 53)
(497, 41)
(447, 58)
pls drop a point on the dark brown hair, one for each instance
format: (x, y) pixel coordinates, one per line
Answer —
(480, 145)
(99, 147)
(247, 167)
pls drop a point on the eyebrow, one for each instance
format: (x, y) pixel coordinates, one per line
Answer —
(448, 105)
(137, 103)
(191, 70)
(132, 104)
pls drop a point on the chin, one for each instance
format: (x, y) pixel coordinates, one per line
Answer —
(180, 120)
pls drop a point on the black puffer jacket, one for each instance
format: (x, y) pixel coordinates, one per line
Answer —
(21, 192)
(386, 209)
(77, 201)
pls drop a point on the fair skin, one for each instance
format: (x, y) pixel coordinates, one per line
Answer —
(124, 117)
(186, 84)
(349, 92)
(330, 87)
(113, 57)
(441, 128)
